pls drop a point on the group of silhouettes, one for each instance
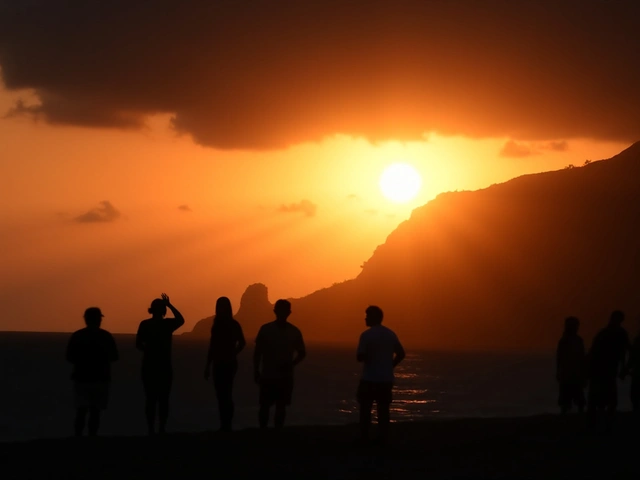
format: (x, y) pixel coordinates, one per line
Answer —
(279, 347)
(611, 357)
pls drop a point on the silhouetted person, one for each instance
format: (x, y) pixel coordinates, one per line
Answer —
(380, 351)
(279, 348)
(570, 367)
(227, 341)
(154, 340)
(91, 350)
(606, 362)
(633, 367)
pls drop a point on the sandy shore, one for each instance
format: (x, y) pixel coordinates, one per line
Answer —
(542, 447)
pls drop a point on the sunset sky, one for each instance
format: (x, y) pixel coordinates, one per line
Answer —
(195, 148)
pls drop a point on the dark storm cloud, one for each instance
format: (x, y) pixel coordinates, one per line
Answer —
(105, 212)
(305, 206)
(266, 73)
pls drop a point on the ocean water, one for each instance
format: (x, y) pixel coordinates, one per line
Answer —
(36, 399)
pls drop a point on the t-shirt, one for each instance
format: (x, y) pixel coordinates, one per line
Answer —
(154, 339)
(278, 343)
(91, 351)
(607, 352)
(378, 344)
(225, 337)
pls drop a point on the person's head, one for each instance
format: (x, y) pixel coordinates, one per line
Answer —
(158, 308)
(616, 318)
(571, 325)
(282, 309)
(93, 317)
(373, 316)
(223, 308)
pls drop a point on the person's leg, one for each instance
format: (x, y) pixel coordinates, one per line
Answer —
(366, 404)
(383, 403)
(163, 402)
(634, 393)
(593, 400)
(612, 403)
(223, 382)
(266, 400)
(81, 414)
(94, 421)
(283, 400)
(280, 414)
(151, 400)
(564, 397)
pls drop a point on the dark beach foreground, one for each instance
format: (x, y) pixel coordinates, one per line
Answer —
(527, 448)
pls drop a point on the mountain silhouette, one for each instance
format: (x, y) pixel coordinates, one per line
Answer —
(255, 310)
(498, 268)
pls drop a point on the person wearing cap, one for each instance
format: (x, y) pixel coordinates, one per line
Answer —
(154, 341)
(91, 351)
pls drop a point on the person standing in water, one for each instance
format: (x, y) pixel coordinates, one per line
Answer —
(227, 341)
(154, 339)
(570, 367)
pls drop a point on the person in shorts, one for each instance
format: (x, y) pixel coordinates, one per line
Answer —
(279, 348)
(91, 351)
(380, 351)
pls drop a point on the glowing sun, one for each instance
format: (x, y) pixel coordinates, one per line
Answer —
(400, 182)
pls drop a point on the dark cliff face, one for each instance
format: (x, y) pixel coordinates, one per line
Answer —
(495, 268)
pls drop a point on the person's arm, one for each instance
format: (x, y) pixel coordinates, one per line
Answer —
(301, 350)
(399, 353)
(361, 353)
(113, 349)
(257, 357)
(207, 367)
(623, 357)
(558, 356)
(140, 338)
(178, 321)
(241, 341)
(70, 354)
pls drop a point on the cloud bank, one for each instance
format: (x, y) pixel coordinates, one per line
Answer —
(266, 74)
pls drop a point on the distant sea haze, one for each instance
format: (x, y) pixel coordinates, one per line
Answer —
(37, 400)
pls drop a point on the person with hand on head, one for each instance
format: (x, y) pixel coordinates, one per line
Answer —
(154, 339)
(227, 341)
(91, 350)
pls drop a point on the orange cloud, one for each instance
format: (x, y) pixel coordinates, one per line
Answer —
(304, 206)
(105, 212)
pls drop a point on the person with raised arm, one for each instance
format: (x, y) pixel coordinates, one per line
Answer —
(154, 339)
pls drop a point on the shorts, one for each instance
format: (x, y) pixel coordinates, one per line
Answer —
(379, 392)
(277, 392)
(91, 394)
